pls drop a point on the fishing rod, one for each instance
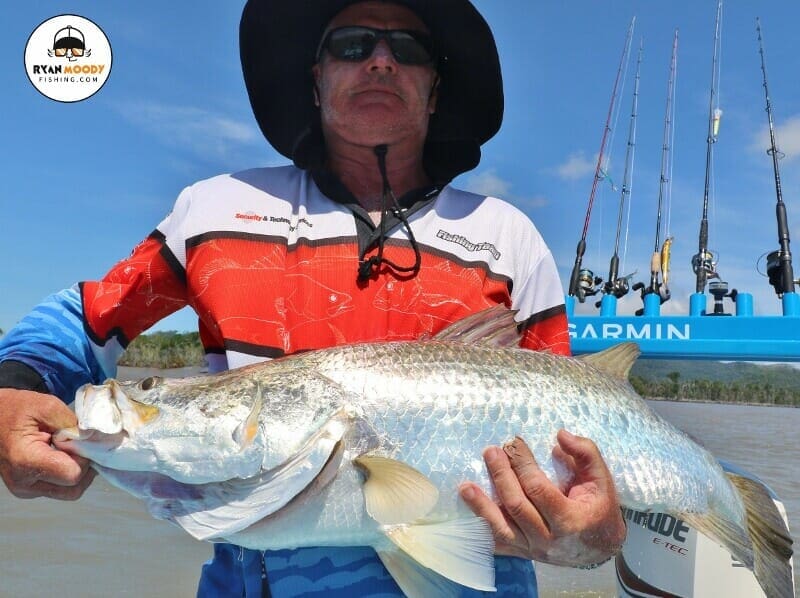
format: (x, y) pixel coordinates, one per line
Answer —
(779, 263)
(702, 263)
(582, 281)
(616, 285)
(659, 261)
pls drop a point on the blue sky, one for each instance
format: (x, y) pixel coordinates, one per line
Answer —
(84, 182)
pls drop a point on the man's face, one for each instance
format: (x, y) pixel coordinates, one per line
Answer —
(377, 100)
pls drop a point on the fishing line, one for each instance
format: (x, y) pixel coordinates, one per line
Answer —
(671, 158)
(579, 281)
(702, 262)
(609, 155)
(718, 111)
(627, 178)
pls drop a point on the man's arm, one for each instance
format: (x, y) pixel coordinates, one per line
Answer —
(75, 337)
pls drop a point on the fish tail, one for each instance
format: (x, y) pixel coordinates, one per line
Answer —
(765, 547)
(772, 542)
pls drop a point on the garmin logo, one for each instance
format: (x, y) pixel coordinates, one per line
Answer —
(467, 244)
(631, 331)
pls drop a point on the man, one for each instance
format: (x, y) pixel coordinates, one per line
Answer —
(379, 105)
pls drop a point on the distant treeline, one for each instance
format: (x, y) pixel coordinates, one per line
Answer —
(714, 390)
(727, 382)
(165, 350)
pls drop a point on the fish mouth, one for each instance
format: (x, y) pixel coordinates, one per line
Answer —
(107, 408)
(74, 440)
(97, 407)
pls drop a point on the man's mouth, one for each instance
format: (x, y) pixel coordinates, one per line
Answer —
(377, 89)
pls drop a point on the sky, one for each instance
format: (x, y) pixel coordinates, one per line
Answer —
(84, 182)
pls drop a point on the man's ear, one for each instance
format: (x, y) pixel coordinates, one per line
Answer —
(315, 72)
(434, 95)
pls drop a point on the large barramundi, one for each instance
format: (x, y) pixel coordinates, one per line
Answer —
(366, 445)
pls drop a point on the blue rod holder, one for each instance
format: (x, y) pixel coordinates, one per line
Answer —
(608, 306)
(569, 304)
(791, 304)
(742, 337)
(697, 304)
(744, 304)
(652, 305)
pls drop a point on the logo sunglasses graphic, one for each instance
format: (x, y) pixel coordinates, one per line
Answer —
(69, 42)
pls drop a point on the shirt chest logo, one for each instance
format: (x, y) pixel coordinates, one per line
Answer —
(467, 244)
(293, 223)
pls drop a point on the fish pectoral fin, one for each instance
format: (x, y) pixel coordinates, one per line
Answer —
(460, 550)
(616, 361)
(233, 505)
(245, 433)
(395, 492)
(415, 580)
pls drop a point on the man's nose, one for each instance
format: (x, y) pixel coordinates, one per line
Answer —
(382, 58)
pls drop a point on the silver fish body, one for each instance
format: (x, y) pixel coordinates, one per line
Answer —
(431, 406)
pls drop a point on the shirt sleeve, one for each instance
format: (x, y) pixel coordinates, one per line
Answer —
(77, 335)
(539, 298)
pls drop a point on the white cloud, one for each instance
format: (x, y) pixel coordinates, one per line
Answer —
(537, 201)
(200, 131)
(489, 183)
(787, 136)
(577, 166)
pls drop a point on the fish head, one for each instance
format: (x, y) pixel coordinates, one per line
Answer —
(109, 417)
(164, 426)
(114, 407)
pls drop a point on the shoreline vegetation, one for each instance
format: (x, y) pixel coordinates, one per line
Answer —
(164, 350)
(669, 380)
(705, 391)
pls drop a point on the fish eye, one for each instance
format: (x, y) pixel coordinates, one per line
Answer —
(150, 382)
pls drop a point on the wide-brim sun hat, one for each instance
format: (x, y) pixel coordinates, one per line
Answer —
(278, 40)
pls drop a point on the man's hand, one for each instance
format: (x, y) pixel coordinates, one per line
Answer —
(535, 519)
(29, 466)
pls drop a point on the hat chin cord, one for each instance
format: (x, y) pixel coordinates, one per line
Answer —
(368, 267)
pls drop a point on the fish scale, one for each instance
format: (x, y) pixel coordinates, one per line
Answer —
(502, 389)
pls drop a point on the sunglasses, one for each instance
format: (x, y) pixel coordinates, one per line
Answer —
(356, 44)
(63, 51)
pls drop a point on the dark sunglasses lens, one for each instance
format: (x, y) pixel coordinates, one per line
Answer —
(351, 44)
(358, 43)
(408, 49)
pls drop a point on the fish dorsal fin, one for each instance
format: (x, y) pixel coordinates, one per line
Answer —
(494, 327)
(616, 361)
(395, 492)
